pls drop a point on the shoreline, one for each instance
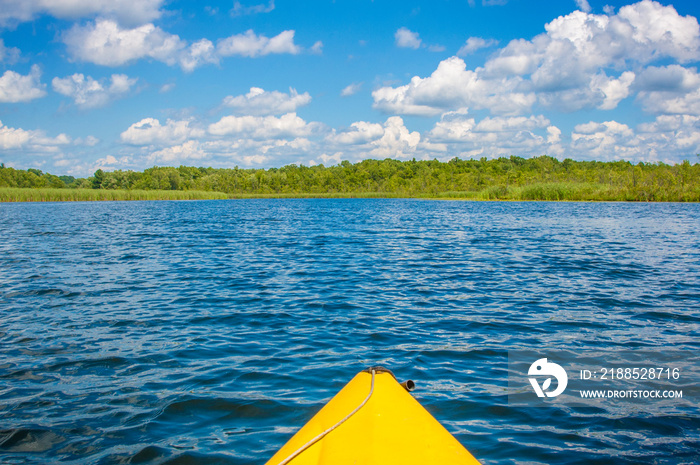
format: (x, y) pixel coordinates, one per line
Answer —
(553, 192)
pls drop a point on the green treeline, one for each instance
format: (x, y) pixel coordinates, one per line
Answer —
(514, 178)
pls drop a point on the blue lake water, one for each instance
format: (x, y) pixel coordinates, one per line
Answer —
(208, 332)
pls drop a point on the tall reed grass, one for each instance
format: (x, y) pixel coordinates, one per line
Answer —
(553, 191)
(11, 194)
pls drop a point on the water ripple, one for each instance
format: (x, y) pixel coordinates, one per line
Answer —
(208, 332)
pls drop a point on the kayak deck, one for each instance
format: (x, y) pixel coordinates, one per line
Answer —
(389, 427)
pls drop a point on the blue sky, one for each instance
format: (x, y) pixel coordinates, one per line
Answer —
(129, 84)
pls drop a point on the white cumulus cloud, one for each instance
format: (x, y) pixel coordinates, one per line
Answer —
(461, 134)
(261, 102)
(89, 141)
(8, 55)
(351, 89)
(250, 44)
(407, 39)
(149, 131)
(105, 42)
(129, 12)
(360, 132)
(397, 141)
(669, 89)
(31, 140)
(450, 87)
(584, 5)
(363, 139)
(180, 154)
(199, 53)
(263, 127)
(241, 10)
(453, 126)
(317, 48)
(475, 43)
(613, 90)
(609, 140)
(90, 93)
(673, 134)
(517, 123)
(15, 87)
(13, 138)
(583, 60)
(657, 31)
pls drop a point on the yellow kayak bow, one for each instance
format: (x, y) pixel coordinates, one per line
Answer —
(373, 420)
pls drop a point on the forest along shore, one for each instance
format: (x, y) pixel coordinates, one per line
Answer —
(513, 178)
